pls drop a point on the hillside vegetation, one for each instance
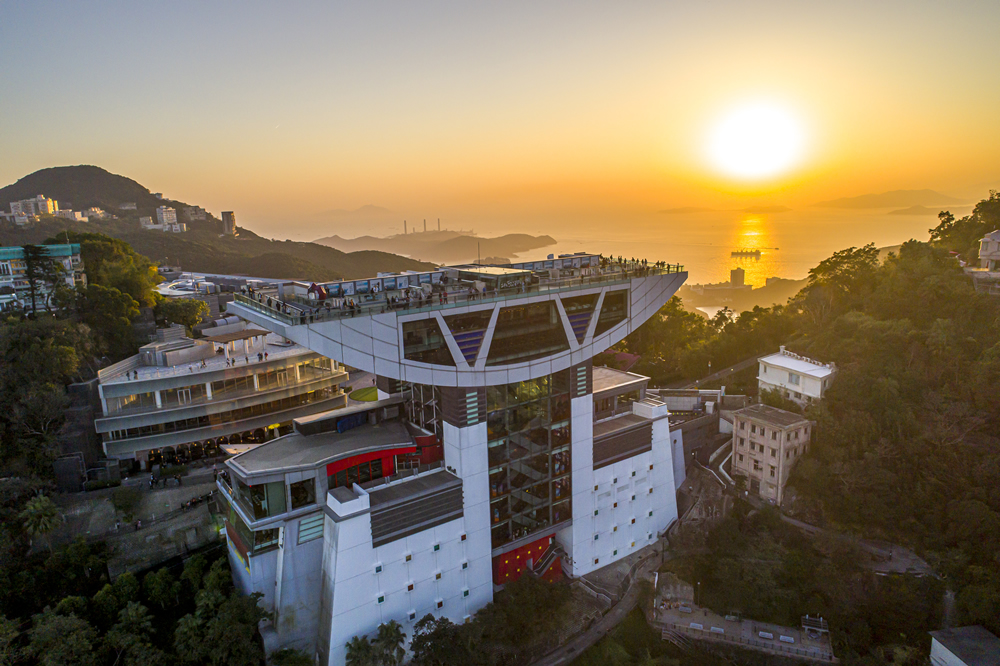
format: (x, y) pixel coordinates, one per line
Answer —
(906, 446)
(200, 249)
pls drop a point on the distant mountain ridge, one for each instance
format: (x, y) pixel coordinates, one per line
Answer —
(200, 249)
(443, 246)
(893, 199)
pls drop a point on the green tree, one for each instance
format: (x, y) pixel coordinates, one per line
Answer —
(126, 501)
(109, 313)
(185, 311)
(113, 264)
(131, 637)
(388, 644)
(360, 652)
(221, 635)
(289, 657)
(41, 272)
(10, 652)
(194, 572)
(40, 517)
(62, 640)
(161, 588)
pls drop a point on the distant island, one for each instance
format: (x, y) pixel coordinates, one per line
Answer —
(684, 210)
(894, 199)
(766, 209)
(443, 246)
(201, 248)
(915, 210)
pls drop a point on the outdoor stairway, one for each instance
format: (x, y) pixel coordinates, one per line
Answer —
(551, 554)
(678, 639)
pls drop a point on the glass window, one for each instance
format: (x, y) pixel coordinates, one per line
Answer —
(527, 332)
(579, 310)
(613, 311)
(303, 493)
(424, 342)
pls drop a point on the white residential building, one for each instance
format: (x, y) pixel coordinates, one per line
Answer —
(803, 380)
(495, 448)
(166, 216)
(40, 205)
(73, 215)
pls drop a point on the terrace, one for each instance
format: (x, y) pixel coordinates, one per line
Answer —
(444, 296)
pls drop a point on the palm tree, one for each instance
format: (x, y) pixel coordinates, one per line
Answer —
(388, 644)
(40, 516)
(360, 652)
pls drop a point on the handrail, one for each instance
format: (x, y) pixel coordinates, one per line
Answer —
(297, 316)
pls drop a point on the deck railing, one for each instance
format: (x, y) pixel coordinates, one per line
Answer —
(297, 311)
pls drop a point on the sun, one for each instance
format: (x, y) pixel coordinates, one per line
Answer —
(756, 140)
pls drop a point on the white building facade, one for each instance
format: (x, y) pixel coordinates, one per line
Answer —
(801, 379)
(490, 453)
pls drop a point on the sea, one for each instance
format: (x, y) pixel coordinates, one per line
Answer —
(790, 243)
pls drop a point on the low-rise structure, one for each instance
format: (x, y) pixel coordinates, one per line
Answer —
(15, 290)
(801, 379)
(964, 646)
(195, 213)
(74, 215)
(39, 205)
(767, 442)
(186, 398)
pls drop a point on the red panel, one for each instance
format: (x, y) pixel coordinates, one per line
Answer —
(508, 567)
(431, 450)
(387, 456)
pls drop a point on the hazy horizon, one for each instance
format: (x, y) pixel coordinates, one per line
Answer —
(503, 117)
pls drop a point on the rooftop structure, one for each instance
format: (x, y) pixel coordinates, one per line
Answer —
(550, 465)
(767, 442)
(15, 290)
(186, 398)
(964, 646)
(799, 378)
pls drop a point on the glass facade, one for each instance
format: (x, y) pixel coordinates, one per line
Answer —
(362, 473)
(469, 330)
(262, 500)
(579, 310)
(613, 311)
(424, 342)
(527, 332)
(528, 426)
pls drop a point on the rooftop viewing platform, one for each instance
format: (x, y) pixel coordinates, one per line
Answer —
(447, 288)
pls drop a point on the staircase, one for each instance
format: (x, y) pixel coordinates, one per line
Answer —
(678, 639)
(551, 554)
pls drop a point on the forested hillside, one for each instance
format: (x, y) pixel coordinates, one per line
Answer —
(202, 248)
(907, 446)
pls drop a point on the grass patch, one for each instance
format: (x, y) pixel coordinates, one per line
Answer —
(366, 394)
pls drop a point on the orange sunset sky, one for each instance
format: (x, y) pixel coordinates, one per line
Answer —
(522, 110)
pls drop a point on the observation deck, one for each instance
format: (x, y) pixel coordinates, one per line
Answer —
(469, 325)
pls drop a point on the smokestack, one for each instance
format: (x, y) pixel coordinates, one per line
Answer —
(404, 227)
(439, 224)
(425, 225)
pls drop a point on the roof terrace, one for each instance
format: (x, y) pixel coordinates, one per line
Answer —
(445, 294)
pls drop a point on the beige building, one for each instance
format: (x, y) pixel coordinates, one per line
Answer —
(766, 443)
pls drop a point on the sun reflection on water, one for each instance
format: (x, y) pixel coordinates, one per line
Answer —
(753, 232)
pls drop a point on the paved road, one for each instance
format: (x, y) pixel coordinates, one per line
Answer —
(570, 651)
(722, 374)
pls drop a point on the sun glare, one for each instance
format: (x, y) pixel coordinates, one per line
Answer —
(756, 141)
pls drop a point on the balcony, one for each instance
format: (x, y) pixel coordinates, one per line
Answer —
(299, 312)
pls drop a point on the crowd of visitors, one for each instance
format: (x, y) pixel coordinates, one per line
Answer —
(308, 310)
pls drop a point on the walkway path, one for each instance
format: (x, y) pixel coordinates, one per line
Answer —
(722, 374)
(570, 651)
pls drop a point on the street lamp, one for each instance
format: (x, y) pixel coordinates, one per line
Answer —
(698, 595)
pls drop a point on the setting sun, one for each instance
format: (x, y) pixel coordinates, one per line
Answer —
(756, 141)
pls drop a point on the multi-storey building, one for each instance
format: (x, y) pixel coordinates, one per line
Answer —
(165, 215)
(15, 291)
(796, 377)
(40, 205)
(495, 447)
(228, 222)
(187, 398)
(767, 442)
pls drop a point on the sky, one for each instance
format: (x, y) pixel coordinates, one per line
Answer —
(506, 113)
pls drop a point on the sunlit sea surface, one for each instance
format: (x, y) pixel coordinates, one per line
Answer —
(790, 243)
